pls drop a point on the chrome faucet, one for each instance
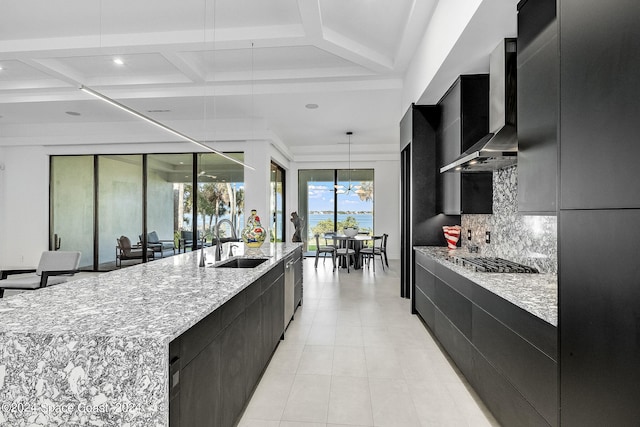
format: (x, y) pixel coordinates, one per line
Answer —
(217, 233)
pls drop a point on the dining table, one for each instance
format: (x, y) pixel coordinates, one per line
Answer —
(342, 240)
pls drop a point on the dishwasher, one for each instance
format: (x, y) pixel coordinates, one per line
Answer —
(289, 289)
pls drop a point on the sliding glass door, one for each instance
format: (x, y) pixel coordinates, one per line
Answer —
(330, 200)
(119, 204)
(72, 206)
(277, 204)
(220, 195)
(96, 199)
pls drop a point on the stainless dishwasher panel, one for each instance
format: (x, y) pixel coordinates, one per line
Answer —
(289, 284)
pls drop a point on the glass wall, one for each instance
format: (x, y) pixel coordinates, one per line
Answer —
(72, 206)
(354, 202)
(277, 204)
(220, 195)
(330, 200)
(169, 180)
(133, 193)
(119, 204)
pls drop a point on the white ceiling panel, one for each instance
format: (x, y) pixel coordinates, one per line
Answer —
(190, 64)
(372, 23)
(95, 68)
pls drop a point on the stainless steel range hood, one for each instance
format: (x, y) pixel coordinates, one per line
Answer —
(499, 148)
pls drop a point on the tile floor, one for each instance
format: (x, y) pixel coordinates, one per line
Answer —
(355, 356)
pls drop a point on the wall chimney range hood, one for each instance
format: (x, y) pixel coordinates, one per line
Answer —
(499, 148)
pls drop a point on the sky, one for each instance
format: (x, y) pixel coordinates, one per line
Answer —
(321, 198)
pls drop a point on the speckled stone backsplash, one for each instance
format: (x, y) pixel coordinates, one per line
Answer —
(530, 240)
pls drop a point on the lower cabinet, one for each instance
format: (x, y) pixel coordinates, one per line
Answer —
(297, 268)
(216, 364)
(508, 355)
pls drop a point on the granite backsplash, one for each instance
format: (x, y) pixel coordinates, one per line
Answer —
(530, 240)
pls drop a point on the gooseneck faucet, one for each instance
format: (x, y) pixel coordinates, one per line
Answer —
(217, 234)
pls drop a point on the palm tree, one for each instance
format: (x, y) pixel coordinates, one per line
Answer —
(365, 192)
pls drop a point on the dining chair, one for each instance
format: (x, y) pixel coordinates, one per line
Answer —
(385, 237)
(347, 252)
(370, 252)
(325, 249)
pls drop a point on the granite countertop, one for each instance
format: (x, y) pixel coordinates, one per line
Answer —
(157, 300)
(535, 293)
(95, 351)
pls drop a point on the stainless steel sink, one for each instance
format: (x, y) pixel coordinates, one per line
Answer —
(242, 263)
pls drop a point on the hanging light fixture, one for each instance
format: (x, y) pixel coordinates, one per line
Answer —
(340, 188)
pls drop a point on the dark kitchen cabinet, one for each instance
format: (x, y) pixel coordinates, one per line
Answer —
(598, 292)
(508, 355)
(599, 104)
(421, 222)
(538, 97)
(215, 365)
(464, 121)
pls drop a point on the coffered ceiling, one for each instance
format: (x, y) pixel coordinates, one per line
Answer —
(232, 70)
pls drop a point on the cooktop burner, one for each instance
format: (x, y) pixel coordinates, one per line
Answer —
(493, 265)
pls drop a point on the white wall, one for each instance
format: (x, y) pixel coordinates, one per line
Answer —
(25, 221)
(459, 39)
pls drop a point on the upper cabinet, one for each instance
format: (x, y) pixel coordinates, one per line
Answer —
(538, 92)
(464, 121)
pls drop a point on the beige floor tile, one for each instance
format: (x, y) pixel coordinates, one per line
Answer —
(376, 336)
(322, 335)
(350, 401)
(309, 399)
(349, 361)
(354, 333)
(316, 360)
(287, 358)
(270, 397)
(258, 423)
(392, 404)
(382, 362)
(300, 424)
(349, 335)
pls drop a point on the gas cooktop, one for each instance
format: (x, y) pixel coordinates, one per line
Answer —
(492, 265)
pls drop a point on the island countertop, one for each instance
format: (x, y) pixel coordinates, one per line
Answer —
(535, 293)
(101, 343)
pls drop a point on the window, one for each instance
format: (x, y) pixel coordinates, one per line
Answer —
(134, 194)
(330, 200)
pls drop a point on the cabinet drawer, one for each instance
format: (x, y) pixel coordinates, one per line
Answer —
(455, 306)
(425, 308)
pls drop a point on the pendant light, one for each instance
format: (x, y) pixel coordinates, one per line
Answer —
(339, 188)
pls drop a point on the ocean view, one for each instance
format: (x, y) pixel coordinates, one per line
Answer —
(364, 220)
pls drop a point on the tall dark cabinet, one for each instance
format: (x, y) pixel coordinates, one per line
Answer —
(464, 121)
(599, 290)
(420, 222)
(538, 74)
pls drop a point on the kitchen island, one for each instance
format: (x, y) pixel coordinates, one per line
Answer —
(96, 351)
(499, 329)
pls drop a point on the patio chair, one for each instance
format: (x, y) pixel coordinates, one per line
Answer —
(54, 268)
(124, 251)
(159, 246)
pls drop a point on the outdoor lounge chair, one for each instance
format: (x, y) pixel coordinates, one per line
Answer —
(54, 268)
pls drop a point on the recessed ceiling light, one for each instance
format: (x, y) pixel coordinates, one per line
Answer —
(311, 106)
(118, 61)
(1, 68)
(72, 113)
